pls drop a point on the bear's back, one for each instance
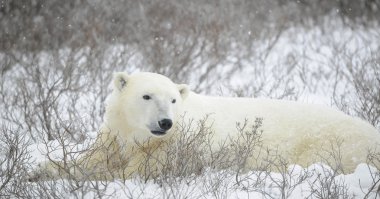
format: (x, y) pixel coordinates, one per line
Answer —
(301, 132)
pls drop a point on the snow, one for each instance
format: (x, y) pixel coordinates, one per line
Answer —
(40, 151)
(295, 182)
(310, 49)
(257, 184)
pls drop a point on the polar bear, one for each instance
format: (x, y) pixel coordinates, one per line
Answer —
(148, 106)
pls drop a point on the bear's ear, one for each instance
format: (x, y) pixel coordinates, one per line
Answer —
(183, 90)
(120, 80)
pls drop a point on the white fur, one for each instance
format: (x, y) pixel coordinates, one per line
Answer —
(131, 117)
(298, 131)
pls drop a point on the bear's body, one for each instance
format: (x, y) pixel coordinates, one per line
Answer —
(300, 132)
(148, 106)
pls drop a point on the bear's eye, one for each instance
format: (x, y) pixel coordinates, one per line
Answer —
(173, 101)
(146, 97)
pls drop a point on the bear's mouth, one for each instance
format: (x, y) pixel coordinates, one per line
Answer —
(159, 133)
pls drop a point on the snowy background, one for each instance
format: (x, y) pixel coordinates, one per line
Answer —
(57, 59)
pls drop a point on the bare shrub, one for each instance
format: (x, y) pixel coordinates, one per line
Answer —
(66, 171)
(363, 76)
(40, 98)
(187, 154)
(287, 180)
(14, 162)
(373, 191)
(273, 177)
(327, 184)
(176, 164)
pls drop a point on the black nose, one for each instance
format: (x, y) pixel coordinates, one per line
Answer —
(165, 124)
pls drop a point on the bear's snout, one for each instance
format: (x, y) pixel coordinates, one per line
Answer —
(165, 124)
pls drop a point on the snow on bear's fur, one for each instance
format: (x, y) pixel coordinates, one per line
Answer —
(147, 106)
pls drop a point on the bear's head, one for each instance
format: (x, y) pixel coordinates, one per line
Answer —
(145, 104)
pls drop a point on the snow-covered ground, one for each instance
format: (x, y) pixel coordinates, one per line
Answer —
(315, 181)
(222, 184)
(315, 51)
